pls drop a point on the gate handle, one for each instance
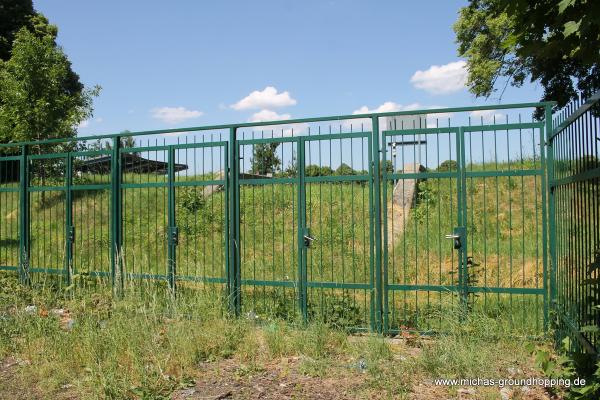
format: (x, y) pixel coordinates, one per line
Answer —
(456, 239)
(308, 240)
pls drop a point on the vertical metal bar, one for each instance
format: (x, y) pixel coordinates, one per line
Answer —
(386, 239)
(376, 167)
(549, 176)
(226, 239)
(302, 230)
(69, 228)
(462, 218)
(116, 219)
(234, 276)
(172, 230)
(24, 217)
(545, 177)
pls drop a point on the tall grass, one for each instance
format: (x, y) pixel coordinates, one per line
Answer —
(505, 242)
(150, 345)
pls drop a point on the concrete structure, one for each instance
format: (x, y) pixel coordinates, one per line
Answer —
(403, 199)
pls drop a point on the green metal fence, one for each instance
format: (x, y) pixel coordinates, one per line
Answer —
(383, 221)
(574, 178)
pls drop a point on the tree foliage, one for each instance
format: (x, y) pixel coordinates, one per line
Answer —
(555, 43)
(264, 159)
(103, 144)
(14, 14)
(40, 95)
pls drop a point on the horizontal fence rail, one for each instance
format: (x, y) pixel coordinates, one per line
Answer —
(383, 221)
(574, 181)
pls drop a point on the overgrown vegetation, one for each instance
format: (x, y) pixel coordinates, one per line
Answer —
(503, 253)
(77, 343)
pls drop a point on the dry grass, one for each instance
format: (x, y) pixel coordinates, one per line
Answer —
(148, 347)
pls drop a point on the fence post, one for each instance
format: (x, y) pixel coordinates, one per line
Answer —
(463, 255)
(385, 226)
(377, 225)
(24, 217)
(234, 273)
(302, 231)
(172, 228)
(116, 221)
(549, 177)
(69, 228)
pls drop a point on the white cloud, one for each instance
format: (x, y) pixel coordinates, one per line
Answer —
(86, 123)
(487, 115)
(432, 120)
(388, 106)
(284, 130)
(267, 98)
(438, 119)
(173, 115)
(268, 115)
(441, 79)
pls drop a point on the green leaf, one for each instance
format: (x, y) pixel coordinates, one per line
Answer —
(530, 347)
(566, 343)
(571, 27)
(590, 329)
(562, 6)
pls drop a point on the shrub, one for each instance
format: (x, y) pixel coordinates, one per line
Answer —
(345, 169)
(315, 170)
(448, 165)
(191, 199)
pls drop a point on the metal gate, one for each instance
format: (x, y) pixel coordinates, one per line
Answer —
(183, 244)
(455, 243)
(292, 257)
(439, 214)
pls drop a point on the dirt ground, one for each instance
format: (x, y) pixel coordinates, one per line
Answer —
(283, 381)
(284, 378)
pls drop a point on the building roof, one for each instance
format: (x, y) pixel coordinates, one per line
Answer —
(130, 162)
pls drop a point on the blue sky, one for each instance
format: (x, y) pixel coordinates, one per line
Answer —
(188, 63)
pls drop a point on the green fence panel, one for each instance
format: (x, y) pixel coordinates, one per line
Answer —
(574, 179)
(378, 221)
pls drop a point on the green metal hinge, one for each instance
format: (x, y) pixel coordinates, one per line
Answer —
(173, 235)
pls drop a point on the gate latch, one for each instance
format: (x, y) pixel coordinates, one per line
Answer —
(174, 235)
(457, 237)
(308, 239)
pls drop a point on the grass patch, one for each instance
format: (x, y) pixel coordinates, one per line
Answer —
(504, 244)
(147, 345)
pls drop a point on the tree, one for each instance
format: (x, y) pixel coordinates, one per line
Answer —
(344, 169)
(556, 43)
(448, 165)
(99, 144)
(14, 14)
(389, 167)
(40, 95)
(264, 159)
(127, 141)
